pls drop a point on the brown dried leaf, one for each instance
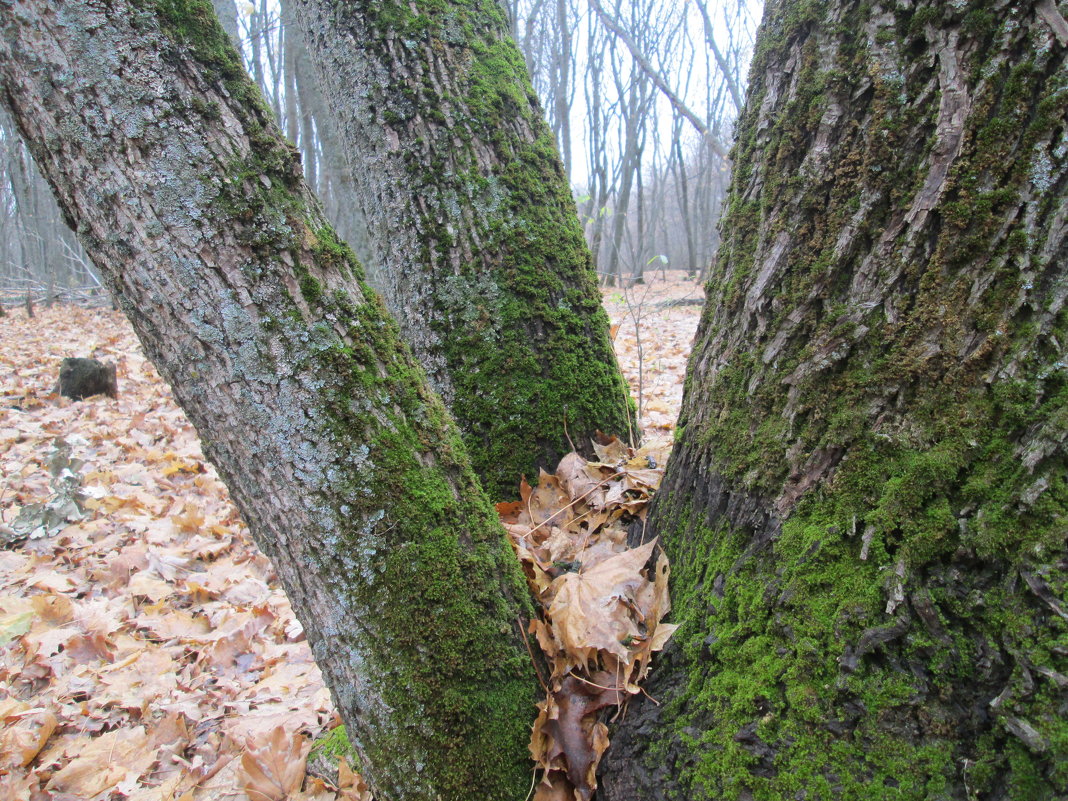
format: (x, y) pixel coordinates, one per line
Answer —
(549, 502)
(351, 785)
(609, 450)
(579, 482)
(272, 767)
(54, 609)
(589, 610)
(27, 735)
(99, 763)
(554, 787)
(575, 734)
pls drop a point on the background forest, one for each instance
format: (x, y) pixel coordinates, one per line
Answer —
(642, 97)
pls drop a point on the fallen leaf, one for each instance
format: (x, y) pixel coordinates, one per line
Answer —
(272, 766)
(24, 739)
(589, 610)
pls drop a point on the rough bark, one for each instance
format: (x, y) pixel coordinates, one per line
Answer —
(473, 226)
(867, 507)
(346, 467)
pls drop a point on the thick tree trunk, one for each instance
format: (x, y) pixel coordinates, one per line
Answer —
(346, 467)
(868, 505)
(472, 223)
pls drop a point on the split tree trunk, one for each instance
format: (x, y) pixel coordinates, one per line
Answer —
(868, 505)
(472, 225)
(346, 467)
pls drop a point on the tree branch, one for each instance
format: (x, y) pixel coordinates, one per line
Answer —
(643, 63)
(732, 85)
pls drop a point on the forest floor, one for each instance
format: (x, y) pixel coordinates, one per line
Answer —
(146, 649)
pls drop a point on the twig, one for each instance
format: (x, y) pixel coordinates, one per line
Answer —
(533, 783)
(617, 688)
(581, 497)
(533, 661)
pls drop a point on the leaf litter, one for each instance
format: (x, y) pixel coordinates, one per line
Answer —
(602, 602)
(146, 649)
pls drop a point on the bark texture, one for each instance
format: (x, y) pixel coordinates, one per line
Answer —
(347, 468)
(868, 505)
(472, 225)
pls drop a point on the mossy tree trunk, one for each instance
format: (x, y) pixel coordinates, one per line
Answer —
(472, 225)
(868, 505)
(345, 465)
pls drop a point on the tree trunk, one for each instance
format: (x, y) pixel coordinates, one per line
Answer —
(226, 11)
(472, 222)
(346, 467)
(867, 506)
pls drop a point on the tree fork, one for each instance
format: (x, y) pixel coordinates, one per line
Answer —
(346, 467)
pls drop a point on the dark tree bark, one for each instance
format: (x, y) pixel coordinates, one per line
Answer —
(473, 226)
(346, 467)
(868, 505)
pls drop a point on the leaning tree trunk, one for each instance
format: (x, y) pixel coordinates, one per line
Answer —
(472, 225)
(346, 467)
(868, 505)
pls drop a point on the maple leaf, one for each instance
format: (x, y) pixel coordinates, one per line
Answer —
(272, 766)
(589, 610)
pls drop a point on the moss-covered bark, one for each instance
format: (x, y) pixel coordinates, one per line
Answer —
(472, 223)
(346, 466)
(868, 507)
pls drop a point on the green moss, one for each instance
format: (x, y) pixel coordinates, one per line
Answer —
(404, 509)
(524, 336)
(922, 404)
(449, 596)
(334, 746)
(785, 624)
